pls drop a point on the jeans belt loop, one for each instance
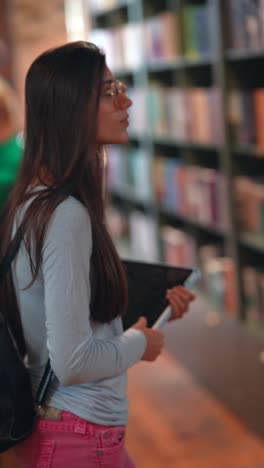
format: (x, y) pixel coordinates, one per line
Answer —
(80, 426)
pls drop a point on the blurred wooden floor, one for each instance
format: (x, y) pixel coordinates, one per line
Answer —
(174, 423)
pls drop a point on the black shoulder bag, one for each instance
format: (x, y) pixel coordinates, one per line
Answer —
(17, 408)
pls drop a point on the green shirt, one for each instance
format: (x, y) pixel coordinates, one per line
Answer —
(10, 158)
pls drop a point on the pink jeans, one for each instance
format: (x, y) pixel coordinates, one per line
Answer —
(73, 442)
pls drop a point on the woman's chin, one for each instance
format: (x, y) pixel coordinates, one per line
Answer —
(119, 139)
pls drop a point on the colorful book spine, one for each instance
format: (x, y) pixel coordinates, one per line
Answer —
(246, 24)
(138, 113)
(192, 191)
(170, 32)
(177, 247)
(139, 173)
(143, 227)
(250, 288)
(253, 286)
(190, 38)
(249, 198)
(130, 170)
(258, 96)
(202, 30)
(196, 29)
(180, 114)
(220, 280)
(206, 253)
(246, 117)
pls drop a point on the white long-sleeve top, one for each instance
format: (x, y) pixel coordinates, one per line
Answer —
(89, 359)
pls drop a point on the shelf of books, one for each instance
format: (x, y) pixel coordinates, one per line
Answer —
(188, 188)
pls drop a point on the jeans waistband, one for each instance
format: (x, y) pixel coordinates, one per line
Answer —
(49, 416)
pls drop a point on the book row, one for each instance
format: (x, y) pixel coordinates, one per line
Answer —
(245, 28)
(253, 284)
(192, 191)
(192, 114)
(158, 38)
(246, 116)
(178, 248)
(197, 33)
(130, 45)
(218, 270)
(130, 171)
(249, 197)
(246, 24)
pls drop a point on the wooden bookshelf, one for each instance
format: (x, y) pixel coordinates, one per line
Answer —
(228, 361)
(215, 230)
(250, 151)
(166, 141)
(243, 54)
(253, 241)
(132, 198)
(96, 12)
(180, 63)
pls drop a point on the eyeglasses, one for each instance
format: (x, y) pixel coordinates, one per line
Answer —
(115, 89)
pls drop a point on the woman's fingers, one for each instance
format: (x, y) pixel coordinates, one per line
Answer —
(183, 292)
(179, 299)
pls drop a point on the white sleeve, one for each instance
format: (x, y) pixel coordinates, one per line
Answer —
(76, 355)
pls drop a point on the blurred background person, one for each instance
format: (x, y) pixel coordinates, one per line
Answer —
(11, 146)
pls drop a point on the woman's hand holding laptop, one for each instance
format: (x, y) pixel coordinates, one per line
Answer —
(179, 299)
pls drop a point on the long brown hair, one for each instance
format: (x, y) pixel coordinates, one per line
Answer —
(63, 87)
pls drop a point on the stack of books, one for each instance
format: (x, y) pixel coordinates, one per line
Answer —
(246, 116)
(246, 24)
(158, 39)
(162, 38)
(135, 233)
(220, 274)
(196, 31)
(138, 113)
(130, 172)
(192, 191)
(122, 45)
(116, 222)
(206, 253)
(218, 270)
(221, 284)
(249, 195)
(117, 169)
(192, 114)
(143, 231)
(178, 248)
(253, 284)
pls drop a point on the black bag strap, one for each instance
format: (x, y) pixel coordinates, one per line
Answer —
(11, 254)
(44, 384)
(5, 266)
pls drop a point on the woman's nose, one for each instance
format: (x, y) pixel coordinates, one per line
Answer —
(123, 101)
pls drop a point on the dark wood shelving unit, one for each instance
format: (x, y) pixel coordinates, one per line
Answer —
(166, 141)
(228, 361)
(243, 54)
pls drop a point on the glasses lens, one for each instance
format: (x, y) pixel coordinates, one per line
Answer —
(119, 88)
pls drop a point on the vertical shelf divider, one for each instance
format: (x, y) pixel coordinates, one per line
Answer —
(226, 161)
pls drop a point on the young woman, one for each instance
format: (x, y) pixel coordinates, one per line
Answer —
(69, 282)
